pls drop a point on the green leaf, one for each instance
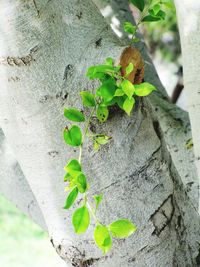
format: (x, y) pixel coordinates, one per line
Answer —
(130, 28)
(122, 228)
(136, 40)
(150, 18)
(94, 71)
(73, 136)
(71, 198)
(156, 9)
(129, 68)
(98, 199)
(128, 105)
(128, 88)
(73, 165)
(88, 99)
(96, 146)
(81, 183)
(109, 61)
(102, 238)
(67, 177)
(119, 92)
(103, 139)
(140, 4)
(73, 114)
(102, 113)
(107, 90)
(81, 220)
(144, 89)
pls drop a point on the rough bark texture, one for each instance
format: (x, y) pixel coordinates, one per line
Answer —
(146, 173)
(189, 25)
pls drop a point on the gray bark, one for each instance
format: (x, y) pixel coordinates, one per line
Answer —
(146, 173)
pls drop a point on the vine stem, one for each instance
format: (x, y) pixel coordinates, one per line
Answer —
(85, 132)
(80, 156)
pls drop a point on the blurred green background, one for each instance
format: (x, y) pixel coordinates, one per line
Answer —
(22, 242)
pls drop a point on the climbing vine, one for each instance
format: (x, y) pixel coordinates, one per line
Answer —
(119, 86)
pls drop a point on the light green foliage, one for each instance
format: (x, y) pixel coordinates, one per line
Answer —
(122, 228)
(73, 114)
(151, 11)
(114, 90)
(88, 99)
(102, 238)
(81, 220)
(71, 198)
(98, 199)
(144, 89)
(73, 136)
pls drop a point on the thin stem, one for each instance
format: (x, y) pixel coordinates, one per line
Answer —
(85, 133)
(92, 212)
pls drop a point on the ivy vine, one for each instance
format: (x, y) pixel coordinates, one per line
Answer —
(115, 89)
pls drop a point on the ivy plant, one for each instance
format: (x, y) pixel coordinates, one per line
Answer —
(114, 89)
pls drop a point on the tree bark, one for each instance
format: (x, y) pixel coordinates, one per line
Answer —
(188, 13)
(146, 173)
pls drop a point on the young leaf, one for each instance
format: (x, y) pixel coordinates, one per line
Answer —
(130, 28)
(128, 105)
(103, 139)
(107, 90)
(109, 61)
(102, 238)
(73, 114)
(140, 4)
(144, 89)
(67, 177)
(71, 198)
(102, 113)
(81, 220)
(122, 228)
(156, 9)
(88, 99)
(73, 165)
(98, 199)
(150, 18)
(95, 70)
(128, 88)
(73, 136)
(129, 68)
(96, 146)
(81, 183)
(119, 92)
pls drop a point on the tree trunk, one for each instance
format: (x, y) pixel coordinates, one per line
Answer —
(146, 173)
(189, 26)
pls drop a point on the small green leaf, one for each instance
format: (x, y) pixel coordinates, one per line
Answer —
(67, 177)
(93, 72)
(71, 198)
(88, 99)
(109, 61)
(73, 114)
(81, 220)
(107, 90)
(140, 4)
(156, 9)
(128, 88)
(103, 139)
(102, 113)
(129, 68)
(119, 92)
(73, 136)
(81, 183)
(128, 105)
(144, 89)
(130, 28)
(98, 199)
(136, 40)
(122, 228)
(102, 238)
(150, 18)
(73, 165)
